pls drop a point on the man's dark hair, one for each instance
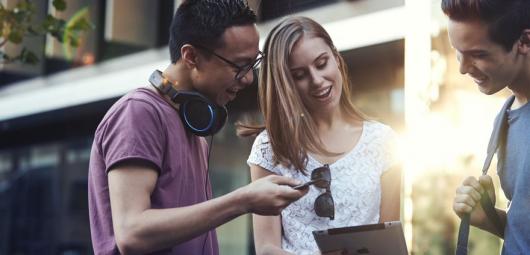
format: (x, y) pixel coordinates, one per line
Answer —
(506, 19)
(203, 22)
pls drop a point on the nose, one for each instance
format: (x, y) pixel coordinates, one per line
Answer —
(250, 78)
(316, 77)
(465, 63)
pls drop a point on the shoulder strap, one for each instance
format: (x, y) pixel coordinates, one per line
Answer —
(498, 134)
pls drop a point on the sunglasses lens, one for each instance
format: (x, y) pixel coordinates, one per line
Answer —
(323, 177)
(324, 206)
(322, 183)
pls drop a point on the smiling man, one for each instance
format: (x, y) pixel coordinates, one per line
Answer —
(492, 42)
(148, 185)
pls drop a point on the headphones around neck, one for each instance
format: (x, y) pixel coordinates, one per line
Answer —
(199, 114)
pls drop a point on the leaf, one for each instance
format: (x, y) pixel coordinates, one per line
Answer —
(82, 25)
(60, 5)
(16, 24)
(73, 40)
(48, 23)
(55, 27)
(25, 6)
(15, 37)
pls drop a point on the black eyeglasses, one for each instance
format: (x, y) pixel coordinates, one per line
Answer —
(321, 178)
(241, 70)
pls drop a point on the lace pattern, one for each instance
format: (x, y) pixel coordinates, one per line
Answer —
(355, 186)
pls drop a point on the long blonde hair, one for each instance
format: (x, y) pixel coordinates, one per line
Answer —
(291, 129)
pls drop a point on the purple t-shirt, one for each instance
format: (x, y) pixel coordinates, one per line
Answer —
(142, 126)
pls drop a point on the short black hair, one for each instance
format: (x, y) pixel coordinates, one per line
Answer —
(506, 19)
(204, 22)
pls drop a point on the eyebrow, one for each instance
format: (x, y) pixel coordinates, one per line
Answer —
(316, 59)
(474, 51)
(243, 60)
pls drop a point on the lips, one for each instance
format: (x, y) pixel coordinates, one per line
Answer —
(232, 92)
(322, 93)
(478, 79)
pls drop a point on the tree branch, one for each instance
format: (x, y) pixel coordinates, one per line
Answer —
(3, 42)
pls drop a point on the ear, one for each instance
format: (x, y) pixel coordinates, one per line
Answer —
(524, 42)
(189, 55)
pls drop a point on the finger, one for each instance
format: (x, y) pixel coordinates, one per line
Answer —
(473, 182)
(467, 190)
(291, 194)
(486, 181)
(282, 180)
(461, 208)
(468, 200)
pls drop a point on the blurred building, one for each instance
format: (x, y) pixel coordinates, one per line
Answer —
(400, 64)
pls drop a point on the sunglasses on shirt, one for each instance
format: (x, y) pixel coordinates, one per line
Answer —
(321, 178)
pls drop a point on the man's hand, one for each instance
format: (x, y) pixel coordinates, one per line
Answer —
(467, 199)
(271, 194)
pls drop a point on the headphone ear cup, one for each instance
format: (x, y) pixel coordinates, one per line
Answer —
(220, 120)
(202, 117)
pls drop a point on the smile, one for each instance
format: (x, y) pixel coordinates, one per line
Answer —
(232, 90)
(478, 79)
(321, 94)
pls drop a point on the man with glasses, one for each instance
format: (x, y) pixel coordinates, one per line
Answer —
(148, 185)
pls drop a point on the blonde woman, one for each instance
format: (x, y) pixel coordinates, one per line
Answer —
(313, 130)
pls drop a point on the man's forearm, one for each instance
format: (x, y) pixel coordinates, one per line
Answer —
(156, 229)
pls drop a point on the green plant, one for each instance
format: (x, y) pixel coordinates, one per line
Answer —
(17, 24)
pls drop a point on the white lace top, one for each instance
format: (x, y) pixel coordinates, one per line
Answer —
(355, 186)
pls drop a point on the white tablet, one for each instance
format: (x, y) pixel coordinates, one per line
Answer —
(373, 239)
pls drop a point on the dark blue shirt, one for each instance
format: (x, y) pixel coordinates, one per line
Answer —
(514, 173)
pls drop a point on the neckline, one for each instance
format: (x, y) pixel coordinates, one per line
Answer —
(346, 155)
(520, 109)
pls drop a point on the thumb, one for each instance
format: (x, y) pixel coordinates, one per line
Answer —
(487, 183)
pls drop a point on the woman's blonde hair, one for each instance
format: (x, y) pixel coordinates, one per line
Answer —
(291, 129)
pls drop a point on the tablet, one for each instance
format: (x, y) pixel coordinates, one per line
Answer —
(381, 238)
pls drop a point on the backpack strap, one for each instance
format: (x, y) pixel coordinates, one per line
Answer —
(497, 136)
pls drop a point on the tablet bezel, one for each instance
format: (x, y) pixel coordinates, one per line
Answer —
(348, 238)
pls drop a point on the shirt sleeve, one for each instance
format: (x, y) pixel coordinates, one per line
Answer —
(262, 155)
(133, 132)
